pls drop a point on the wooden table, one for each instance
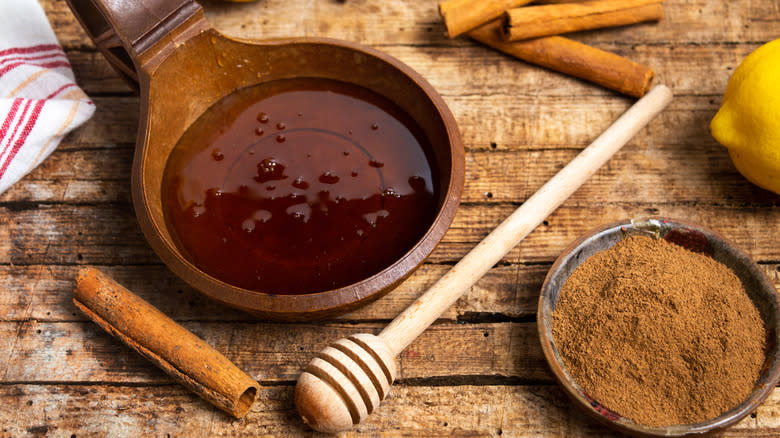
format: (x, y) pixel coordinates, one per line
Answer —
(477, 371)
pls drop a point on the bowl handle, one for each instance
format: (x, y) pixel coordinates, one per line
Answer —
(126, 30)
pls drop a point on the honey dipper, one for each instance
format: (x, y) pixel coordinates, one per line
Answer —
(348, 379)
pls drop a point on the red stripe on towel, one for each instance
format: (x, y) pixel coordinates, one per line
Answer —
(19, 122)
(25, 132)
(33, 58)
(60, 90)
(31, 49)
(9, 118)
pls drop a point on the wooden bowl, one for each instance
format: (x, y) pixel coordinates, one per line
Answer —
(757, 285)
(182, 66)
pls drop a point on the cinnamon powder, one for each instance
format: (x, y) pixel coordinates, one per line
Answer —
(659, 334)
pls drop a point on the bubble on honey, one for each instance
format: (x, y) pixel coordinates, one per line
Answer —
(263, 118)
(258, 132)
(346, 153)
(374, 126)
(299, 212)
(354, 173)
(300, 114)
(373, 218)
(375, 163)
(281, 138)
(268, 170)
(198, 210)
(360, 232)
(248, 225)
(217, 155)
(262, 215)
(300, 183)
(370, 218)
(281, 126)
(270, 187)
(390, 193)
(328, 178)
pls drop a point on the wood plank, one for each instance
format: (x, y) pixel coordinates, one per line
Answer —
(108, 234)
(689, 69)
(418, 22)
(73, 234)
(649, 165)
(492, 176)
(74, 352)
(514, 411)
(44, 293)
(490, 123)
(82, 352)
(94, 74)
(67, 190)
(515, 122)
(752, 229)
(114, 125)
(512, 121)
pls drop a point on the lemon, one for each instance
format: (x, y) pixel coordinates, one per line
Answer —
(748, 121)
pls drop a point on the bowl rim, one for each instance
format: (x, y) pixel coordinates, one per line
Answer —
(305, 307)
(654, 226)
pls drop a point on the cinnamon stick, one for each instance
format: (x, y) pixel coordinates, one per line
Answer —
(572, 58)
(178, 352)
(538, 21)
(461, 16)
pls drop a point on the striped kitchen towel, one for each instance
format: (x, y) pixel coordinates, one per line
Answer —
(39, 100)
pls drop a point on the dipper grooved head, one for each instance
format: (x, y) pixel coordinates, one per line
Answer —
(345, 383)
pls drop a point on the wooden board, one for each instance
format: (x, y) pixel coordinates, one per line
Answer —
(479, 370)
(409, 410)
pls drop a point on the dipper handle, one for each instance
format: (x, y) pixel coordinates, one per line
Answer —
(348, 379)
(407, 326)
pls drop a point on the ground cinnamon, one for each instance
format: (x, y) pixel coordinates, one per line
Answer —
(659, 334)
(545, 20)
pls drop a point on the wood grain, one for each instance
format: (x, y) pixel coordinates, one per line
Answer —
(492, 177)
(473, 69)
(42, 293)
(520, 124)
(418, 22)
(108, 233)
(515, 411)
(81, 352)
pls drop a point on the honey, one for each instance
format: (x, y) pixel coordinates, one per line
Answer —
(300, 186)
